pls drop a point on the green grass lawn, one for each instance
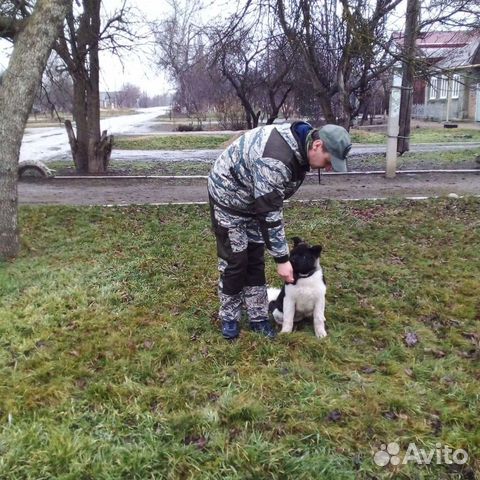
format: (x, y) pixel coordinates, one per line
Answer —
(445, 135)
(422, 135)
(362, 136)
(442, 158)
(419, 160)
(112, 366)
(171, 142)
(409, 160)
(216, 141)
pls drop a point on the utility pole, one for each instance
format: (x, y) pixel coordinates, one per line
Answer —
(392, 127)
(408, 64)
(449, 96)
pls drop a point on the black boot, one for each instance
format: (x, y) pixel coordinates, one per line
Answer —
(264, 327)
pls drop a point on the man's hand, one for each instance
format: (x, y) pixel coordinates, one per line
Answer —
(285, 271)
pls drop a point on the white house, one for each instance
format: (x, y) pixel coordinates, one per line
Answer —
(452, 91)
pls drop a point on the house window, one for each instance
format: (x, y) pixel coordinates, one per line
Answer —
(433, 88)
(443, 87)
(455, 86)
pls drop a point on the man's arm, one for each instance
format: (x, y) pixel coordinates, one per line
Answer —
(270, 177)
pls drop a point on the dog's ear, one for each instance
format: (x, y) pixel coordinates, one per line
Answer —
(296, 241)
(316, 250)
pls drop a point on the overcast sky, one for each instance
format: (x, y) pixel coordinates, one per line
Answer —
(135, 67)
(139, 67)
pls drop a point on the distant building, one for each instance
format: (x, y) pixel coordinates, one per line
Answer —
(451, 89)
(109, 99)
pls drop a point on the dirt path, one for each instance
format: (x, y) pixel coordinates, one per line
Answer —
(94, 191)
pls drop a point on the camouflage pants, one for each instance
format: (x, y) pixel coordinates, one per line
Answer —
(241, 263)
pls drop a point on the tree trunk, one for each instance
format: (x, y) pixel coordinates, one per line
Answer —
(411, 27)
(249, 120)
(250, 115)
(32, 48)
(256, 117)
(96, 163)
(344, 96)
(365, 113)
(79, 144)
(325, 103)
(90, 150)
(275, 108)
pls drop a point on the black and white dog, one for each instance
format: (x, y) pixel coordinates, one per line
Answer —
(305, 297)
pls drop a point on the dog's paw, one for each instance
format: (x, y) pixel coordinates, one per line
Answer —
(320, 333)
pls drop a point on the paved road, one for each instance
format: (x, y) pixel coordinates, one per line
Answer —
(95, 191)
(51, 143)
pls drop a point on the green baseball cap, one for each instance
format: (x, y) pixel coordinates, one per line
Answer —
(337, 141)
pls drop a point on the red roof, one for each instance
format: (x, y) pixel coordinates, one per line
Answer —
(437, 40)
(444, 39)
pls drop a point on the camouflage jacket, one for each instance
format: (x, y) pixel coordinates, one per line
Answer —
(255, 174)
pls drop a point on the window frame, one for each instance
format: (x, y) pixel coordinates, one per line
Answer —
(455, 86)
(433, 93)
(443, 87)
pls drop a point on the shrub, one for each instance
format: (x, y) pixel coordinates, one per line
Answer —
(189, 128)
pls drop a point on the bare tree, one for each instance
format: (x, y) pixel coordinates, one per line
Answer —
(377, 99)
(277, 69)
(146, 101)
(343, 53)
(84, 35)
(237, 56)
(250, 55)
(194, 93)
(128, 96)
(180, 51)
(55, 94)
(33, 37)
(176, 37)
(254, 56)
(450, 14)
